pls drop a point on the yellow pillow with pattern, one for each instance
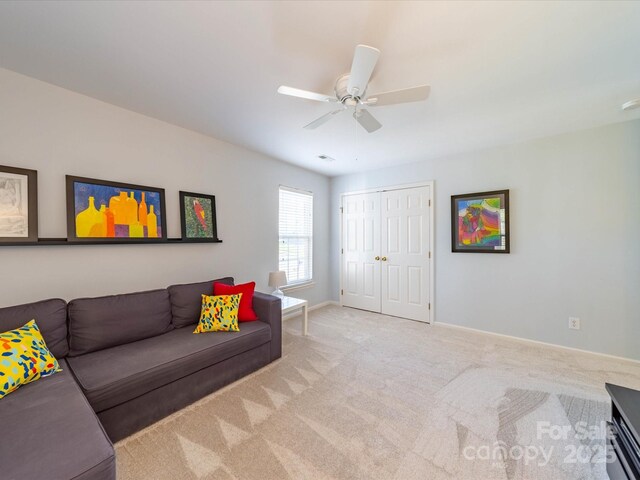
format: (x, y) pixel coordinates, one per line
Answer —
(219, 313)
(24, 358)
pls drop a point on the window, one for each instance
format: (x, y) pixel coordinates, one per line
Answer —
(296, 235)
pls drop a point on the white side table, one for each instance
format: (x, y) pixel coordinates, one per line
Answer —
(290, 304)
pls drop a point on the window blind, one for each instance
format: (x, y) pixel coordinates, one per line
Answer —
(296, 235)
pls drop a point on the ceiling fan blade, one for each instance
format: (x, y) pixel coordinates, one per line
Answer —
(296, 92)
(364, 61)
(368, 122)
(323, 119)
(406, 95)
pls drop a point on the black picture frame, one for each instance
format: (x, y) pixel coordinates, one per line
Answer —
(155, 195)
(473, 221)
(12, 199)
(200, 231)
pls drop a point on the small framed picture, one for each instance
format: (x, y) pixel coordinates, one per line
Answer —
(480, 222)
(18, 205)
(102, 211)
(198, 217)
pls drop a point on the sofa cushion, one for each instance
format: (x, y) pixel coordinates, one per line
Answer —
(115, 375)
(50, 431)
(51, 317)
(186, 300)
(103, 322)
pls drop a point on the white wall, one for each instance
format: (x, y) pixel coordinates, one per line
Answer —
(59, 132)
(575, 238)
(575, 218)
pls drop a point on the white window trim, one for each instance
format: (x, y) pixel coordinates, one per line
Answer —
(298, 286)
(295, 190)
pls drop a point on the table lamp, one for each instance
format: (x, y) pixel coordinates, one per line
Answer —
(277, 279)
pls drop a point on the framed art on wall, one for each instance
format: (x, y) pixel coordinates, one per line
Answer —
(105, 211)
(480, 222)
(18, 205)
(198, 217)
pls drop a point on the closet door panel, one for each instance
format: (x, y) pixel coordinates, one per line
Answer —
(405, 250)
(361, 246)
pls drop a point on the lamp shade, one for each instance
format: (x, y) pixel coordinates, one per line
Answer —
(277, 279)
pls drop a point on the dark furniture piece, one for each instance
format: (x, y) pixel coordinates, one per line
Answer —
(623, 442)
(128, 361)
(50, 429)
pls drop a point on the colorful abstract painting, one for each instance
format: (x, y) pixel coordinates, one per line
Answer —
(198, 216)
(108, 210)
(480, 222)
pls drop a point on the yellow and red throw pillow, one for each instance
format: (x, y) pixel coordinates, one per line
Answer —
(24, 358)
(219, 314)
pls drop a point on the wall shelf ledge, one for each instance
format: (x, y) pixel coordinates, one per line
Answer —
(43, 242)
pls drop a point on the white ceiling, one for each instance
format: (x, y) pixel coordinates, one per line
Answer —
(501, 72)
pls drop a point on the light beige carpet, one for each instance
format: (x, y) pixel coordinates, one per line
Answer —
(367, 396)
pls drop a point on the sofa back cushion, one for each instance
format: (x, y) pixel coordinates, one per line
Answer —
(103, 322)
(186, 300)
(51, 318)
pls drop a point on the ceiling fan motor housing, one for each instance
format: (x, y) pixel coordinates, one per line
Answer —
(343, 95)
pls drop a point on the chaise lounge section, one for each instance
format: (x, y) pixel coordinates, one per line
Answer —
(128, 360)
(50, 430)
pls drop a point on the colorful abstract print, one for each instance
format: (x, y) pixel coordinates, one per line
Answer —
(24, 358)
(219, 313)
(479, 222)
(102, 211)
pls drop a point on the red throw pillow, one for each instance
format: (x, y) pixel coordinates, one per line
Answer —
(245, 312)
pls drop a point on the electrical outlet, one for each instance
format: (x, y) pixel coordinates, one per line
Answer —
(574, 323)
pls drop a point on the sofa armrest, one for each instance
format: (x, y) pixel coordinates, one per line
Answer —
(269, 310)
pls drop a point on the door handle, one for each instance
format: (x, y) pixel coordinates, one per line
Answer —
(384, 259)
(377, 258)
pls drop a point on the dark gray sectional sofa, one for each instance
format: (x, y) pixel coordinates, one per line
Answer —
(128, 361)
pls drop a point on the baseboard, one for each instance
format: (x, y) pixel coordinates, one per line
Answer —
(323, 304)
(537, 342)
(311, 309)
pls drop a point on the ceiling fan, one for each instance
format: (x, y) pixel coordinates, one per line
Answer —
(351, 91)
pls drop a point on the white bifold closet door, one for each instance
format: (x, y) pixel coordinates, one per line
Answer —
(386, 252)
(361, 246)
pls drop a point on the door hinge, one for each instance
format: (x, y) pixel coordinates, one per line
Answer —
(429, 254)
(342, 250)
(429, 306)
(429, 202)
(341, 210)
(341, 292)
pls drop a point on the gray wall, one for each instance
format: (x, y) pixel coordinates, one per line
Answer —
(59, 132)
(575, 232)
